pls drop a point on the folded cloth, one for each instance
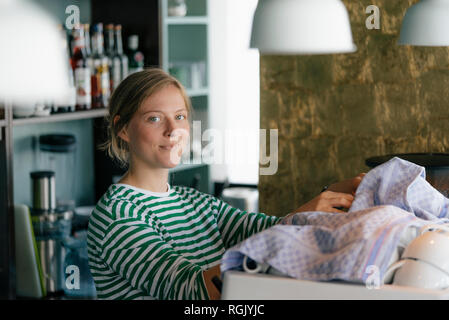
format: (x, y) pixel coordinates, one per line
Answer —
(391, 204)
(403, 184)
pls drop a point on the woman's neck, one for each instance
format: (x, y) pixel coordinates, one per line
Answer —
(145, 178)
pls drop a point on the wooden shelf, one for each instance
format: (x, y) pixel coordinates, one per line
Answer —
(69, 116)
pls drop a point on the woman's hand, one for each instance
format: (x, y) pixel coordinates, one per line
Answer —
(347, 186)
(338, 195)
(328, 201)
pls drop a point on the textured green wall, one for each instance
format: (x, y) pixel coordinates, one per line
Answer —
(334, 111)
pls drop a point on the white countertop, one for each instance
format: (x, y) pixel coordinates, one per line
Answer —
(244, 286)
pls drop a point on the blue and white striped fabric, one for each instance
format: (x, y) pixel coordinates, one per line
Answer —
(402, 184)
(392, 203)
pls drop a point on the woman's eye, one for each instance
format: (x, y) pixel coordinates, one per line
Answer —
(153, 119)
(180, 117)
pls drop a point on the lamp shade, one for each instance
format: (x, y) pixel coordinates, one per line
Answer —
(301, 27)
(426, 24)
(33, 65)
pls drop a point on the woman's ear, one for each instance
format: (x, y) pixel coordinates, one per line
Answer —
(123, 134)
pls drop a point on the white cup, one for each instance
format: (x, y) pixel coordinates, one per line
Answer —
(259, 268)
(432, 246)
(425, 261)
(419, 274)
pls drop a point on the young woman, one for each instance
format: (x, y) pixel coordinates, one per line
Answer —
(150, 240)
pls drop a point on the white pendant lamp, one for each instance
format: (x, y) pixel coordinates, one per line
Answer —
(32, 62)
(301, 27)
(426, 24)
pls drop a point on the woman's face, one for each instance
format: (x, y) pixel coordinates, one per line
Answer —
(159, 131)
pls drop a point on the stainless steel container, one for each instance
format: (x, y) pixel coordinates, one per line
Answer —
(43, 190)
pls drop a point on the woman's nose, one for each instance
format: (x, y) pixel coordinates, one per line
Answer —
(173, 129)
(170, 126)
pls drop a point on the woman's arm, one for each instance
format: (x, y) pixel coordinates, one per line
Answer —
(136, 252)
(236, 225)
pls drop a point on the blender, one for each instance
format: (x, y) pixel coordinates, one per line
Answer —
(57, 152)
(52, 226)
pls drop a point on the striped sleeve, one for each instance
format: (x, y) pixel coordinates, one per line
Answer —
(135, 250)
(236, 225)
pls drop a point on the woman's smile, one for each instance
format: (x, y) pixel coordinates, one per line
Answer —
(169, 147)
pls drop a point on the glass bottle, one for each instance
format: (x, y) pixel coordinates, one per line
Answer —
(135, 57)
(118, 49)
(81, 70)
(114, 66)
(100, 70)
(86, 27)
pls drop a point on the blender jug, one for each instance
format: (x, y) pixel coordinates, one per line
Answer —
(57, 152)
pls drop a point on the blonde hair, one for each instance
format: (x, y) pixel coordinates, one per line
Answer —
(127, 99)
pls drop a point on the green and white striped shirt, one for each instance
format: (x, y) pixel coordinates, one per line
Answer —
(149, 245)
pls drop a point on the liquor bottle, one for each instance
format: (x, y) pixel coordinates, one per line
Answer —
(135, 57)
(118, 50)
(86, 27)
(81, 70)
(113, 62)
(88, 42)
(100, 70)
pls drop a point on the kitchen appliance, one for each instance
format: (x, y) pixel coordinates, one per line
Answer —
(57, 153)
(246, 199)
(436, 164)
(51, 227)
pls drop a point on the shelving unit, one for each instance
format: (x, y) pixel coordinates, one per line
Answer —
(78, 115)
(187, 20)
(184, 52)
(173, 40)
